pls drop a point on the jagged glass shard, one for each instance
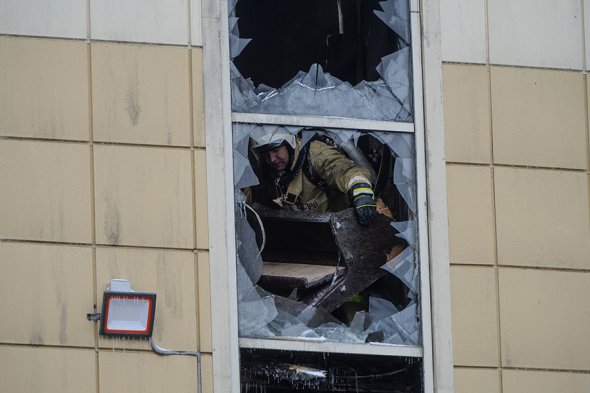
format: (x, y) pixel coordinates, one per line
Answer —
(231, 7)
(381, 308)
(233, 25)
(319, 93)
(245, 285)
(240, 164)
(340, 333)
(255, 315)
(240, 134)
(406, 322)
(394, 339)
(248, 251)
(237, 45)
(396, 15)
(244, 175)
(380, 102)
(400, 328)
(316, 79)
(404, 179)
(394, 71)
(387, 328)
(407, 231)
(243, 96)
(361, 322)
(299, 330)
(403, 266)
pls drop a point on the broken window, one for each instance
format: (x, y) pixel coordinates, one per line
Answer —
(309, 271)
(347, 58)
(321, 275)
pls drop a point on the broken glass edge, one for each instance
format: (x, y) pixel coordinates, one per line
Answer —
(242, 133)
(395, 14)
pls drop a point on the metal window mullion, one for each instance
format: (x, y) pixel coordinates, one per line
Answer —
(220, 190)
(323, 122)
(302, 345)
(423, 250)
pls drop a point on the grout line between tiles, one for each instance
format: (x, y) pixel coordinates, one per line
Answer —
(584, 372)
(197, 304)
(587, 122)
(192, 146)
(487, 30)
(524, 267)
(101, 245)
(493, 191)
(516, 166)
(87, 142)
(88, 26)
(93, 206)
(588, 145)
(525, 67)
(190, 23)
(194, 196)
(94, 40)
(584, 50)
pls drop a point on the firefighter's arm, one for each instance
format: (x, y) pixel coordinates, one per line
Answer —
(341, 173)
(335, 168)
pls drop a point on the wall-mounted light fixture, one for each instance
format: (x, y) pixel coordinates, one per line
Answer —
(126, 313)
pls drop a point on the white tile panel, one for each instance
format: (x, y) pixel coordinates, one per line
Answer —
(463, 30)
(587, 31)
(196, 25)
(538, 33)
(45, 191)
(55, 18)
(153, 21)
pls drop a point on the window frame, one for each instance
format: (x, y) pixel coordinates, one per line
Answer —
(435, 350)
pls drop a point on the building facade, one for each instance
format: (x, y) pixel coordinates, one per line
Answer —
(112, 165)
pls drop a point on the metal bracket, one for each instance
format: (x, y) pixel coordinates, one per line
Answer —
(93, 316)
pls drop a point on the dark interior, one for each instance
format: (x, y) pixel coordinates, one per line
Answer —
(344, 36)
(287, 371)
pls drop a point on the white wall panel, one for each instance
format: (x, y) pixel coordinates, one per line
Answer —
(54, 18)
(154, 21)
(463, 30)
(587, 30)
(196, 26)
(538, 33)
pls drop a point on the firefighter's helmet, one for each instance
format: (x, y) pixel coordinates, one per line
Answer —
(265, 138)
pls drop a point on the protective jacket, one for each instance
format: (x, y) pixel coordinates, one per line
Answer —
(320, 183)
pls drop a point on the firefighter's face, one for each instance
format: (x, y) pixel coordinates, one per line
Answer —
(277, 158)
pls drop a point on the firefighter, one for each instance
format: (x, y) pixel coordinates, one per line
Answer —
(316, 176)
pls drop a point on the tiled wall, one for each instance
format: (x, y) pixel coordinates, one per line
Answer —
(102, 167)
(517, 150)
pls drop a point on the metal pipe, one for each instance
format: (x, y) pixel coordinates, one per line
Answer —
(169, 352)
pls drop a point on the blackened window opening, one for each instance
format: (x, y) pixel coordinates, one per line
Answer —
(287, 371)
(344, 36)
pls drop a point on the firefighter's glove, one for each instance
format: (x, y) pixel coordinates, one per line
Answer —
(363, 200)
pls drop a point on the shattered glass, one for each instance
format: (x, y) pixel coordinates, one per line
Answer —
(314, 91)
(378, 317)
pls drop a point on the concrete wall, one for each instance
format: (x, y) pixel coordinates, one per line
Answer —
(516, 124)
(102, 171)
